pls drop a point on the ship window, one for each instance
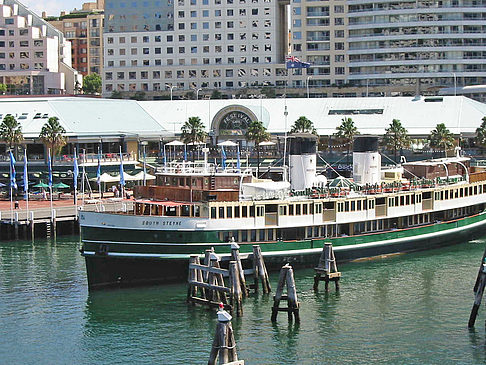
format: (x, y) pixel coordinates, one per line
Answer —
(229, 212)
(291, 209)
(244, 236)
(237, 212)
(253, 235)
(358, 205)
(353, 206)
(171, 211)
(186, 210)
(402, 200)
(396, 201)
(221, 212)
(346, 206)
(298, 208)
(260, 211)
(226, 236)
(282, 210)
(316, 231)
(305, 208)
(261, 233)
(252, 211)
(309, 232)
(271, 235)
(407, 199)
(213, 212)
(329, 205)
(197, 211)
(380, 201)
(475, 190)
(427, 195)
(244, 212)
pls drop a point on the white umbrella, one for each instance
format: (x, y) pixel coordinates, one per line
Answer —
(195, 143)
(139, 176)
(175, 143)
(228, 144)
(106, 178)
(266, 143)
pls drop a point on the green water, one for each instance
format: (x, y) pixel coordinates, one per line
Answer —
(409, 309)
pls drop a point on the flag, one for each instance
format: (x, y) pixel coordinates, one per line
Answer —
(98, 170)
(223, 158)
(185, 153)
(165, 158)
(122, 178)
(294, 62)
(75, 171)
(145, 164)
(26, 177)
(13, 182)
(49, 168)
(238, 164)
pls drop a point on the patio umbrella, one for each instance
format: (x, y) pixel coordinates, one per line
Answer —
(266, 143)
(60, 185)
(41, 185)
(228, 144)
(175, 143)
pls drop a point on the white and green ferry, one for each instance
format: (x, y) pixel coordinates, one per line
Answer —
(418, 206)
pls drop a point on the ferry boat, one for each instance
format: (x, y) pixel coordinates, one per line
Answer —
(192, 208)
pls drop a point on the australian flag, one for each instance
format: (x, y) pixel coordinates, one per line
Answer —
(294, 62)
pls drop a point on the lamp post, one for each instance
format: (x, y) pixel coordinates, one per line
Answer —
(197, 92)
(455, 83)
(171, 87)
(307, 84)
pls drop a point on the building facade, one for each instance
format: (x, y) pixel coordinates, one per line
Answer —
(84, 29)
(34, 56)
(192, 44)
(355, 47)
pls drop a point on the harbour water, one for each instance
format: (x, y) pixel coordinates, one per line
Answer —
(405, 309)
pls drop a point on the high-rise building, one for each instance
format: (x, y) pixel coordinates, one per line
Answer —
(34, 56)
(84, 28)
(401, 46)
(193, 44)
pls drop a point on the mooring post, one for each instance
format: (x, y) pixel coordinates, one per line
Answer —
(235, 256)
(32, 226)
(286, 278)
(236, 296)
(326, 269)
(224, 345)
(479, 290)
(260, 271)
(192, 276)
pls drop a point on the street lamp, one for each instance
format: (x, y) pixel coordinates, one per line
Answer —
(171, 87)
(197, 89)
(307, 84)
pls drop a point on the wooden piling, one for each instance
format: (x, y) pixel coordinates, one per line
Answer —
(235, 256)
(192, 276)
(286, 278)
(478, 292)
(326, 269)
(236, 295)
(260, 271)
(224, 345)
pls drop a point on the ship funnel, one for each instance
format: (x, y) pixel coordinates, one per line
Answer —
(366, 161)
(302, 160)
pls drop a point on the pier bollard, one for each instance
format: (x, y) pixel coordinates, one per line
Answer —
(286, 278)
(224, 345)
(235, 255)
(478, 292)
(16, 216)
(260, 271)
(192, 276)
(31, 223)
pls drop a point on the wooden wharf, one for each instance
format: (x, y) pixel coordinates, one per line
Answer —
(44, 222)
(326, 269)
(286, 279)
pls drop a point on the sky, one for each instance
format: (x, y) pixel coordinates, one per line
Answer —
(53, 7)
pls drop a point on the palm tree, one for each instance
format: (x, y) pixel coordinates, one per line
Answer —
(257, 133)
(193, 131)
(303, 125)
(11, 131)
(441, 137)
(52, 135)
(481, 134)
(346, 132)
(396, 137)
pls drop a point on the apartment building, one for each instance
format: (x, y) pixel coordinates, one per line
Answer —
(397, 47)
(34, 56)
(192, 44)
(84, 29)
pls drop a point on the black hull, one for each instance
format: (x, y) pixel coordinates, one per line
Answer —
(106, 271)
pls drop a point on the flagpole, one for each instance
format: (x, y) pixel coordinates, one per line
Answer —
(50, 177)
(84, 172)
(122, 178)
(98, 173)
(75, 183)
(11, 191)
(26, 183)
(144, 166)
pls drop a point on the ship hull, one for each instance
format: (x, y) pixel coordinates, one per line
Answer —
(114, 263)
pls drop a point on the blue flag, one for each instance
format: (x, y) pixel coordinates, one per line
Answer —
(144, 166)
(13, 182)
(223, 158)
(26, 176)
(238, 164)
(185, 153)
(294, 62)
(98, 170)
(165, 158)
(75, 171)
(49, 168)
(122, 178)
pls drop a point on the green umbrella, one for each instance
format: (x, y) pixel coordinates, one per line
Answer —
(41, 185)
(60, 185)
